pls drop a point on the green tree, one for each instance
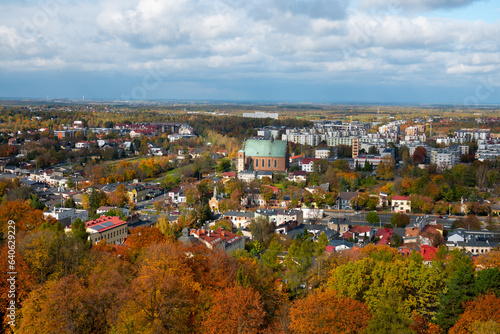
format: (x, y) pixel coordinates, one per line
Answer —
(270, 257)
(400, 220)
(321, 244)
(79, 231)
(372, 217)
(262, 229)
(459, 289)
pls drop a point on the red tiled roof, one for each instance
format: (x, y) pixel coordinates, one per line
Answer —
(400, 198)
(307, 161)
(360, 229)
(115, 221)
(428, 252)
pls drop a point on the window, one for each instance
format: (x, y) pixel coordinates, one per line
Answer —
(269, 163)
(275, 163)
(256, 162)
(263, 163)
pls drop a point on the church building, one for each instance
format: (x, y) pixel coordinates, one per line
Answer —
(263, 155)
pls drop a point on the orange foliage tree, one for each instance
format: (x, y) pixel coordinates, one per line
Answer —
(25, 217)
(483, 309)
(236, 310)
(489, 260)
(325, 312)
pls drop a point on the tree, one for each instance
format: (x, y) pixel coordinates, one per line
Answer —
(469, 223)
(389, 317)
(79, 231)
(400, 220)
(460, 288)
(386, 167)
(26, 218)
(261, 229)
(119, 197)
(487, 281)
(483, 312)
(372, 217)
(270, 257)
(419, 155)
(489, 260)
(36, 203)
(325, 312)
(321, 244)
(70, 203)
(236, 310)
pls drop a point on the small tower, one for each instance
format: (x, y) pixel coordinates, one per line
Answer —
(241, 161)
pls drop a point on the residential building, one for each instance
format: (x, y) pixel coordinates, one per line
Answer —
(344, 200)
(136, 192)
(322, 153)
(112, 229)
(238, 218)
(289, 215)
(176, 195)
(307, 164)
(401, 204)
(219, 239)
(67, 215)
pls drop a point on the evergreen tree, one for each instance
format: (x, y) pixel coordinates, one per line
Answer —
(459, 288)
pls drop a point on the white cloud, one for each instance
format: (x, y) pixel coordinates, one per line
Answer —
(417, 4)
(311, 39)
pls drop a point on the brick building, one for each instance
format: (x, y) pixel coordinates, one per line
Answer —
(263, 155)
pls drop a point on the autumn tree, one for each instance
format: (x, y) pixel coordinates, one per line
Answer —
(400, 220)
(325, 312)
(119, 197)
(483, 311)
(386, 167)
(25, 217)
(262, 229)
(236, 310)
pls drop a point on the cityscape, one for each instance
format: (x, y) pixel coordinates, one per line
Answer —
(220, 167)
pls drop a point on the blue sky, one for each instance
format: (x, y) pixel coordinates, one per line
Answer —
(380, 51)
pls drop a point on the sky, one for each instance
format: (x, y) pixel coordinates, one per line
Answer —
(327, 51)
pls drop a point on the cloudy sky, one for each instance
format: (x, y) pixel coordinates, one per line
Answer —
(380, 51)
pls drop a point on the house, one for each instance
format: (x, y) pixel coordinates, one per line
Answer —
(338, 246)
(383, 199)
(271, 215)
(307, 164)
(385, 235)
(136, 192)
(285, 227)
(289, 215)
(112, 229)
(103, 209)
(264, 173)
(228, 175)
(363, 232)
(428, 253)
(339, 224)
(238, 218)
(322, 153)
(295, 161)
(413, 229)
(176, 195)
(247, 176)
(219, 239)
(297, 176)
(67, 215)
(401, 204)
(314, 230)
(344, 200)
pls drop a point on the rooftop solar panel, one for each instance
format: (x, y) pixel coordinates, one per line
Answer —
(107, 224)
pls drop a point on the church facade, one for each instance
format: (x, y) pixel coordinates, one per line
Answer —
(263, 155)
